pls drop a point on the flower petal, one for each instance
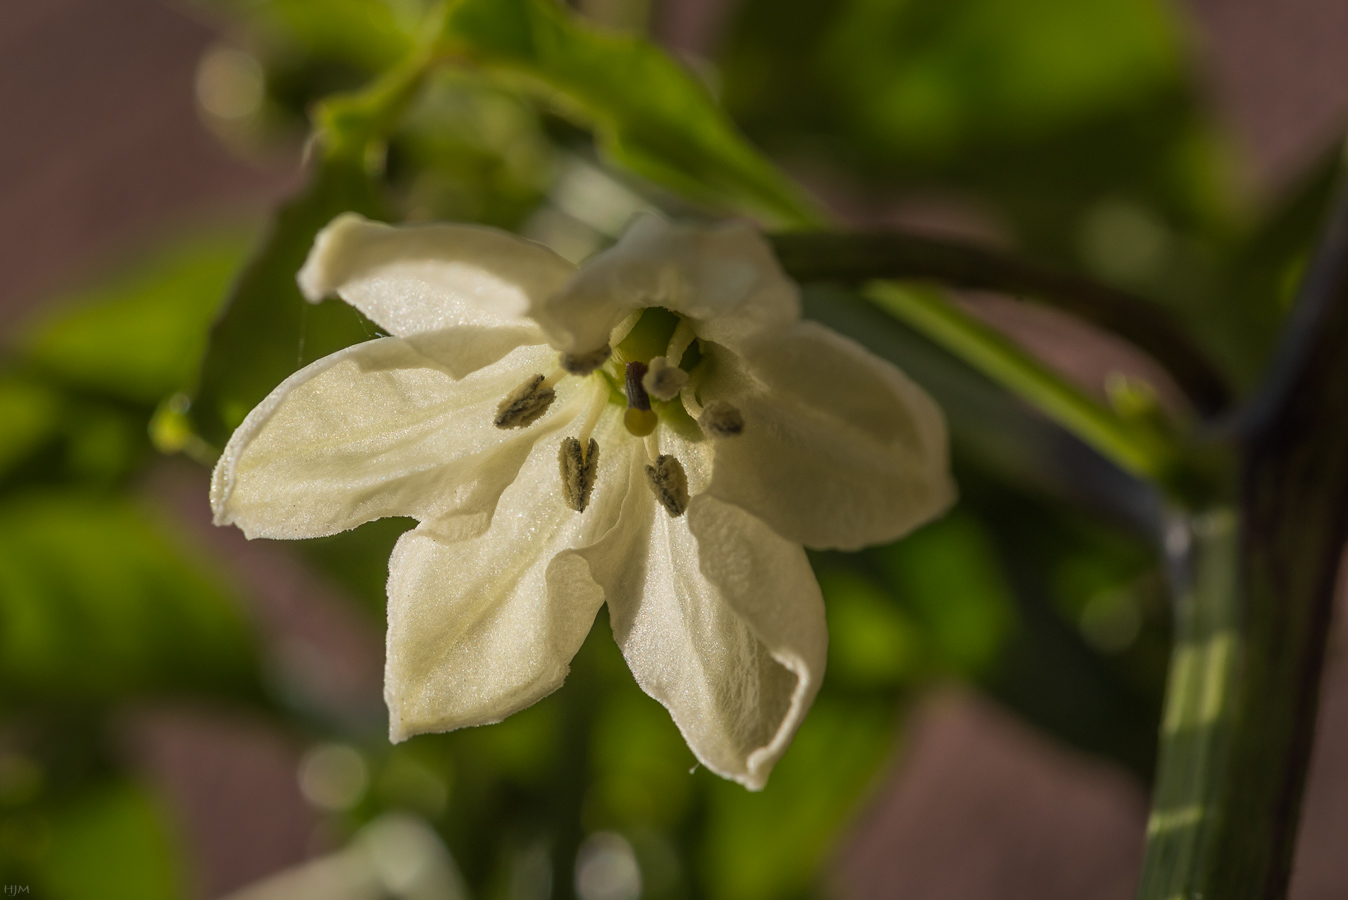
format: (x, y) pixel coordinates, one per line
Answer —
(839, 448)
(460, 292)
(734, 649)
(725, 279)
(378, 430)
(481, 628)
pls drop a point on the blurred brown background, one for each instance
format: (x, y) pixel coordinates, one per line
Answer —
(112, 154)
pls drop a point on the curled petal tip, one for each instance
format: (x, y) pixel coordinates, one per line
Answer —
(322, 271)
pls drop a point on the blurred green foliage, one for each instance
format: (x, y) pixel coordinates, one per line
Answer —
(137, 614)
(655, 118)
(267, 330)
(141, 334)
(1072, 128)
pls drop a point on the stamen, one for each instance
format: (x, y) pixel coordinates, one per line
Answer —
(598, 400)
(578, 467)
(679, 342)
(525, 404)
(663, 379)
(669, 483)
(557, 375)
(585, 363)
(625, 328)
(639, 419)
(720, 419)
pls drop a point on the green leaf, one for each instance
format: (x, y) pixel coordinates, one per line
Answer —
(649, 113)
(368, 34)
(772, 843)
(31, 414)
(948, 575)
(111, 842)
(1030, 118)
(139, 337)
(267, 330)
(97, 601)
(872, 641)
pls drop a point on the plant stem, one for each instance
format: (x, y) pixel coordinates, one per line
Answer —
(1138, 447)
(1196, 726)
(1233, 770)
(855, 258)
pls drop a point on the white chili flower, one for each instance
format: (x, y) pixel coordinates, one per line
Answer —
(658, 431)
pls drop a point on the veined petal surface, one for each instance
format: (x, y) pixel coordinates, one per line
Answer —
(839, 449)
(459, 292)
(481, 628)
(735, 648)
(724, 279)
(379, 430)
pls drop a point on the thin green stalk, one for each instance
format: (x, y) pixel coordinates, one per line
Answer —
(1197, 725)
(854, 258)
(347, 124)
(1137, 446)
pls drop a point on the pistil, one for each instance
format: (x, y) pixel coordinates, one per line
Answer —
(639, 419)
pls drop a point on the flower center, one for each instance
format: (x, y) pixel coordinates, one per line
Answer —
(652, 361)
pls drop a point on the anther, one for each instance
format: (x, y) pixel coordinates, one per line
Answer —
(525, 404)
(669, 483)
(663, 380)
(639, 419)
(719, 419)
(578, 471)
(585, 363)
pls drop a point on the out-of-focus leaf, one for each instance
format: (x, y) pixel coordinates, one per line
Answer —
(470, 151)
(650, 114)
(31, 413)
(98, 601)
(368, 34)
(771, 844)
(267, 330)
(640, 763)
(1103, 700)
(139, 337)
(358, 559)
(872, 641)
(111, 842)
(1242, 318)
(949, 576)
(1035, 109)
(928, 76)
